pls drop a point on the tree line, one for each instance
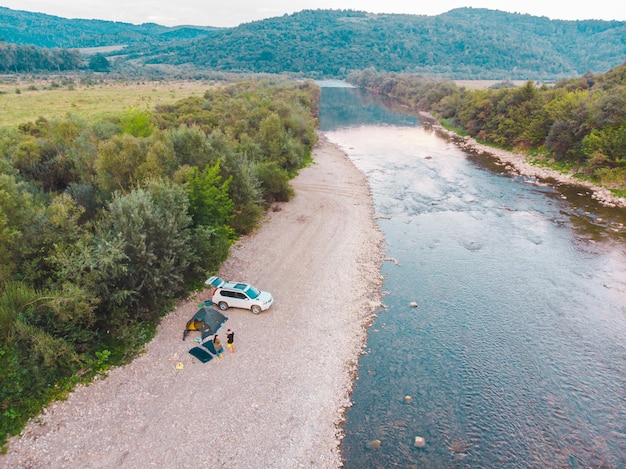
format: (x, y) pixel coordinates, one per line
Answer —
(577, 125)
(104, 226)
(26, 59)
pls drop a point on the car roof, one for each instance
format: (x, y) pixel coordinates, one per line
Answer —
(236, 286)
(219, 283)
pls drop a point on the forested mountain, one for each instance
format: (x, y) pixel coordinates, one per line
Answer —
(38, 29)
(462, 43)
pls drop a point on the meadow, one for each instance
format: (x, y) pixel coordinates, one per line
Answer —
(26, 100)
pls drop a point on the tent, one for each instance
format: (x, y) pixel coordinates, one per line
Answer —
(207, 320)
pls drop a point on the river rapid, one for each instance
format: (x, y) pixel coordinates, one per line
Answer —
(502, 341)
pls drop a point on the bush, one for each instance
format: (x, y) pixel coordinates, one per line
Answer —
(274, 182)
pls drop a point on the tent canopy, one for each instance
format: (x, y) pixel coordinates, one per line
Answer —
(207, 320)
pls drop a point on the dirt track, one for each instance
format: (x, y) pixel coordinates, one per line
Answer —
(276, 402)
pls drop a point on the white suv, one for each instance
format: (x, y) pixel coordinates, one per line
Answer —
(239, 295)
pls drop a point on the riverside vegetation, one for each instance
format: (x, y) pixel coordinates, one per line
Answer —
(106, 222)
(576, 126)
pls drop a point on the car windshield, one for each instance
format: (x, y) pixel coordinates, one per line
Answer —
(252, 292)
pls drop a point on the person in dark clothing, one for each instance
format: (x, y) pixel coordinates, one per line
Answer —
(230, 340)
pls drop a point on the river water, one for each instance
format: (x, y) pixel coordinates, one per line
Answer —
(515, 353)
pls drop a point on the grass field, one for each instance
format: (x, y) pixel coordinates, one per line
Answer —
(25, 101)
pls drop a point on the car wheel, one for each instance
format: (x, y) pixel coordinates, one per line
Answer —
(223, 306)
(255, 309)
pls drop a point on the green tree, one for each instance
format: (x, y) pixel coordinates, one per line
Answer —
(275, 182)
(99, 63)
(209, 202)
(118, 161)
(245, 191)
(17, 208)
(153, 223)
(190, 146)
(160, 160)
(136, 122)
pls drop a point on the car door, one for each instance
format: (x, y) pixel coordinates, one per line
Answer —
(240, 300)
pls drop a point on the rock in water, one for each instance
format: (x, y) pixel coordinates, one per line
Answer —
(373, 444)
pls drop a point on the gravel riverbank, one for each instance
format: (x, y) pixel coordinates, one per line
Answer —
(517, 163)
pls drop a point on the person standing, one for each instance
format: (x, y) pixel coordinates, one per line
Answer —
(230, 340)
(217, 345)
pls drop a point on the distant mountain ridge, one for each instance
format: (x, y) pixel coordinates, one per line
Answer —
(462, 43)
(42, 30)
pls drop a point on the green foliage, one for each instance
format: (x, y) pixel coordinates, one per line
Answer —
(136, 122)
(579, 124)
(24, 27)
(245, 192)
(39, 332)
(613, 178)
(210, 246)
(104, 226)
(15, 207)
(154, 226)
(102, 362)
(275, 182)
(99, 63)
(245, 123)
(118, 161)
(209, 203)
(190, 146)
(161, 160)
(465, 43)
(28, 58)
(247, 218)
(418, 91)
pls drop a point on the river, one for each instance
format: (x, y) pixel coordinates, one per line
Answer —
(502, 341)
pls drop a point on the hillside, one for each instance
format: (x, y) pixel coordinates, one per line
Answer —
(38, 29)
(465, 43)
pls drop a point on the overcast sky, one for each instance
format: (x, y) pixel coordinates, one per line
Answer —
(235, 12)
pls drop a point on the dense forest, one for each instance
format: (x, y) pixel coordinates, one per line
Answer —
(464, 43)
(39, 29)
(577, 125)
(103, 226)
